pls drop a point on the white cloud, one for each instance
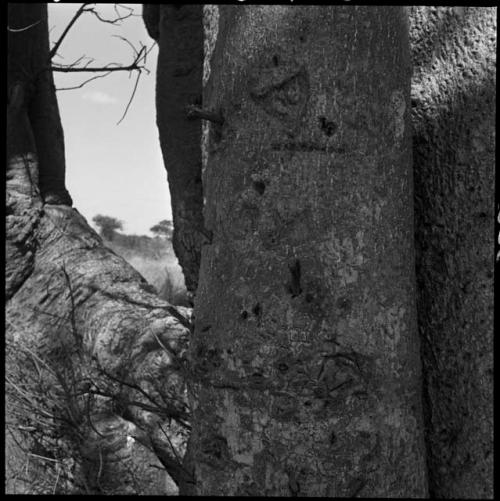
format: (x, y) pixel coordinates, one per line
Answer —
(99, 97)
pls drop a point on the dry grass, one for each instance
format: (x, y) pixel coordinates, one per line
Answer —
(163, 272)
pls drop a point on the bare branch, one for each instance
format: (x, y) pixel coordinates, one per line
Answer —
(149, 50)
(138, 64)
(67, 69)
(127, 42)
(74, 63)
(56, 46)
(130, 100)
(112, 21)
(135, 65)
(78, 13)
(83, 83)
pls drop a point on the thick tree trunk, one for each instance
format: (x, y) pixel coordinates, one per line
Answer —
(306, 369)
(31, 92)
(93, 355)
(179, 32)
(453, 100)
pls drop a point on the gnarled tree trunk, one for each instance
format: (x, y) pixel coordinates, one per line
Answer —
(94, 357)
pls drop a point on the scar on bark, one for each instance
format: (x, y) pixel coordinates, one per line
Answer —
(293, 285)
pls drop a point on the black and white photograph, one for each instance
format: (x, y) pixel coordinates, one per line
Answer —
(250, 249)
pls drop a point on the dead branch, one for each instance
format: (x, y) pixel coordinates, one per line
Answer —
(83, 83)
(138, 64)
(130, 100)
(67, 69)
(56, 46)
(78, 13)
(118, 19)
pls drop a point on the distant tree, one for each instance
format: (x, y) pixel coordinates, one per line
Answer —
(107, 225)
(164, 228)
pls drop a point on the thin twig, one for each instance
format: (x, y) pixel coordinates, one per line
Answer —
(170, 443)
(83, 83)
(87, 408)
(99, 473)
(130, 385)
(56, 46)
(181, 416)
(112, 21)
(57, 479)
(130, 100)
(43, 457)
(74, 331)
(128, 42)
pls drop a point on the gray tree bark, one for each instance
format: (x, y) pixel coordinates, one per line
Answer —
(453, 112)
(305, 357)
(178, 29)
(31, 95)
(305, 367)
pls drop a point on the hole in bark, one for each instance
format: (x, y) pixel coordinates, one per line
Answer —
(302, 38)
(275, 60)
(206, 328)
(257, 310)
(282, 367)
(244, 314)
(333, 437)
(327, 126)
(307, 403)
(294, 287)
(309, 297)
(259, 187)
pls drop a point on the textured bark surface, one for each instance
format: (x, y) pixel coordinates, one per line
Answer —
(305, 357)
(32, 86)
(81, 324)
(179, 32)
(453, 106)
(88, 315)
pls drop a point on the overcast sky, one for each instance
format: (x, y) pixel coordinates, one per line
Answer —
(115, 170)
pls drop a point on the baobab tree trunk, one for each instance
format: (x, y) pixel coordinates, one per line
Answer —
(305, 357)
(178, 29)
(89, 344)
(31, 95)
(453, 106)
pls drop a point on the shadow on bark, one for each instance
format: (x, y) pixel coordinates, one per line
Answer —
(453, 102)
